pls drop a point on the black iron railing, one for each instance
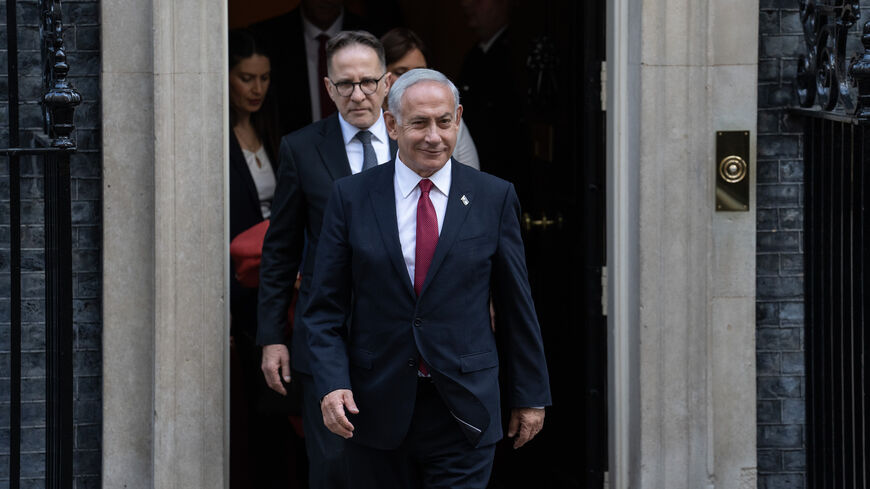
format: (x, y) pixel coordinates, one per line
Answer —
(837, 193)
(53, 148)
(833, 86)
(823, 73)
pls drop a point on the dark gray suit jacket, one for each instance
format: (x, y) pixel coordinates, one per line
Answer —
(310, 160)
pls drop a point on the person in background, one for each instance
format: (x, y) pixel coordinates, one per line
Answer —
(405, 51)
(489, 84)
(352, 140)
(259, 461)
(297, 45)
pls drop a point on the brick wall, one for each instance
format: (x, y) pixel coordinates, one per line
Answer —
(81, 39)
(779, 310)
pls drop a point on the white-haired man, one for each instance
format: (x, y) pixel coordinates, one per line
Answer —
(402, 351)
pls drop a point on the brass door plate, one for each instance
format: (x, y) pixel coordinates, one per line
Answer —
(732, 170)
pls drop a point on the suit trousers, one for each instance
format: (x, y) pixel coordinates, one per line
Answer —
(327, 468)
(435, 454)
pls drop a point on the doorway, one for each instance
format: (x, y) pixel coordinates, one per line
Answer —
(552, 149)
(559, 175)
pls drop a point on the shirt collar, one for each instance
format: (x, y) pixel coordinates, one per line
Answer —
(311, 31)
(408, 180)
(348, 130)
(485, 45)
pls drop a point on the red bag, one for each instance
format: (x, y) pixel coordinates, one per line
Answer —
(245, 250)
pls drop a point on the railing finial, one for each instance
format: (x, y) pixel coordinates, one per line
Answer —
(61, 98)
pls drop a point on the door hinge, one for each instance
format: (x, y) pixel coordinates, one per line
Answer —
(603, 86)
(604, 291)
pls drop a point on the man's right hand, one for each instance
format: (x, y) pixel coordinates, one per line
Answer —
(276, 362)
(332, 406)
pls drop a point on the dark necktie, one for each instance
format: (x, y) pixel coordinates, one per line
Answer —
(326, 105)
(370, 158)
(427, 239)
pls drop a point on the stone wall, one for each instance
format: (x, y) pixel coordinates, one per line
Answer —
(779, 282)
(82, 42)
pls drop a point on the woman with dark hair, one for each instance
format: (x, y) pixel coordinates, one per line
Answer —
(253, 139)
(404, 51)
(260, 433)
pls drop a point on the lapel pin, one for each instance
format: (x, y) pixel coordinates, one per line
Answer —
(464, 199)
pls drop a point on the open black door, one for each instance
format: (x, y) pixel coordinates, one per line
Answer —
(559, 49)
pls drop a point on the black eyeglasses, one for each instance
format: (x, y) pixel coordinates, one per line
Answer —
(367, 85)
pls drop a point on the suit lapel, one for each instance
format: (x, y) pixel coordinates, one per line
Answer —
(454, 218)
(237, 159)
(383, 199)
(331, 149)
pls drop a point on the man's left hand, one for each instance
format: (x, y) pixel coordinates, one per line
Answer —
(525, 423)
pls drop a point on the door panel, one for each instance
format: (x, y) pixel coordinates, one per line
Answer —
(561, 183)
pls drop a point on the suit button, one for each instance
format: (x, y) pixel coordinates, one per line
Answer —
(418, 322)
(412, 363)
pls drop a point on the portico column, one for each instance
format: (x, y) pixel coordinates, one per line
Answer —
(165, 359)
(682, 275)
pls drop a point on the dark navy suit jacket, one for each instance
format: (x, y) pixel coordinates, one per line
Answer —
(367, 326)
(311, 159)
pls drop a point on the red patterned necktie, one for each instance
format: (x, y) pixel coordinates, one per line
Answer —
(326, 105)
(427, 239)
(427, 235)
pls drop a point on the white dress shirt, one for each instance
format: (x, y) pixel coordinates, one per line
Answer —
(264, 178)
(354, 147)
(485, 45)
(310, 33)
(465, 151)
(405, 185)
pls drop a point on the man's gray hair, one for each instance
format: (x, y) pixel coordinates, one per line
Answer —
(412, 78)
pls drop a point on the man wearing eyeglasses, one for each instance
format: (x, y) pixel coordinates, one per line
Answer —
(311, 159)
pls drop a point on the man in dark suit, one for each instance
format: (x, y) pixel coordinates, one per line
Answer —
(310, 160)
(490, 76)
(402, 351)
(295, 41)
